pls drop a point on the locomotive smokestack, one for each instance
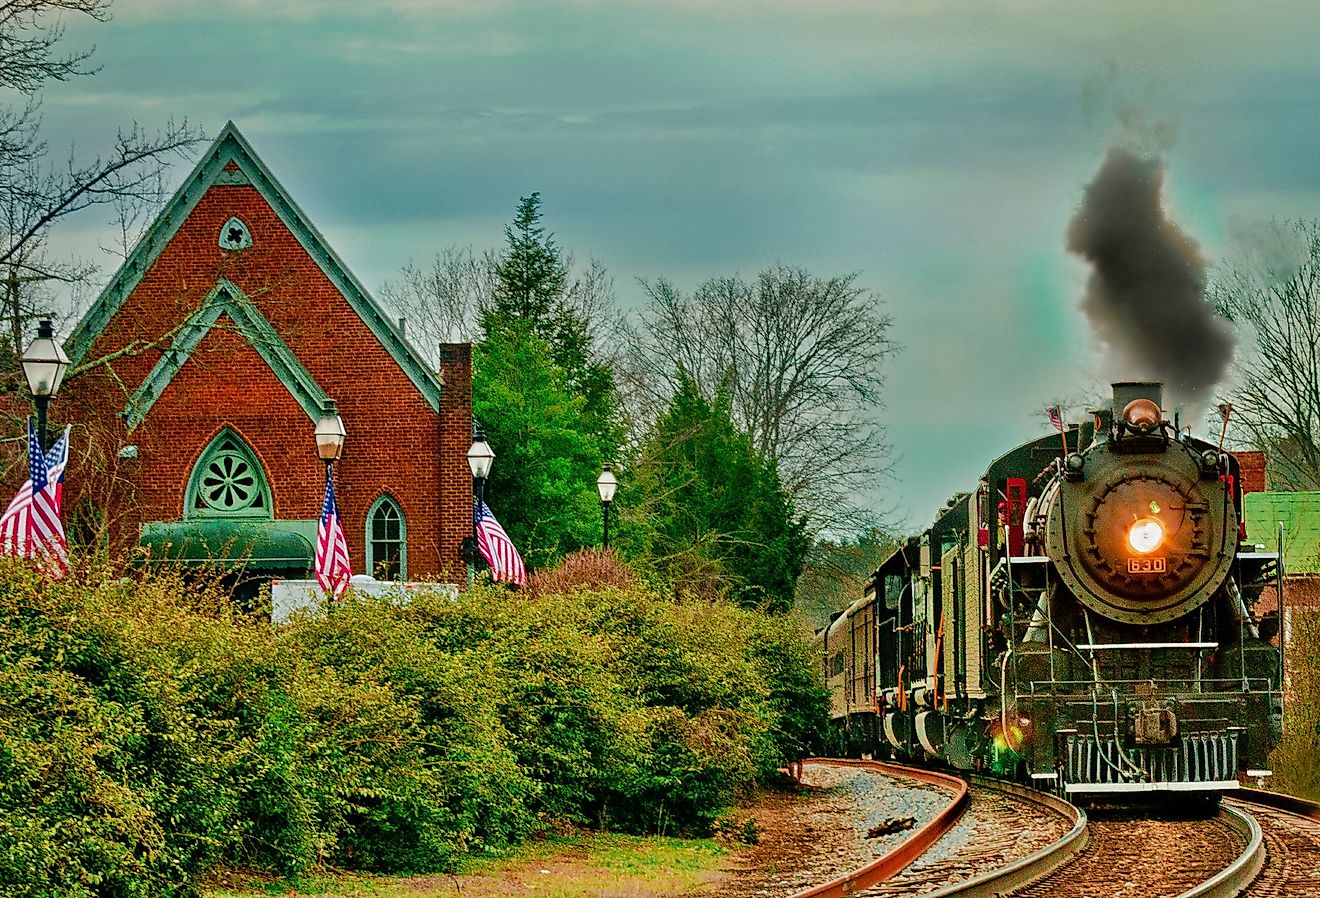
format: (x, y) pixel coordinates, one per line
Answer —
(1146, 295)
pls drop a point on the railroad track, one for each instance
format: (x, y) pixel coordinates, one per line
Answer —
(899, 857)
(1162, 856)
(1291, 828)
(1113, 852)
(988, 860)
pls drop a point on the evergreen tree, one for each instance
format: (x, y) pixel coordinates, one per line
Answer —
(531, 296)
(532, 273)
(542, 485)
(706, 507)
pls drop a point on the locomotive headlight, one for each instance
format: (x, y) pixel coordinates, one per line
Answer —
(1146, 535)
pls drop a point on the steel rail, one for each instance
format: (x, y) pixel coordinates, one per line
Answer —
(896, 859)
(1227, 883)
(994, 883)
(1234, 879)
(1280, 802)
(1291, 829)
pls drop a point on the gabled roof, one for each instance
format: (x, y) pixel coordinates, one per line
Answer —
(232, 147)
(226, 298)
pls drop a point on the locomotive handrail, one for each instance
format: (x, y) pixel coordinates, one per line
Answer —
(1262, 683)
(896, 859)
(1101, 646)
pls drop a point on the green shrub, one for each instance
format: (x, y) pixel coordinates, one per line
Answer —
(150, 733)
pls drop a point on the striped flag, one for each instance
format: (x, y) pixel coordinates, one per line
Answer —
(31, 525)
(332, 568)
(496, 547)
(1056, 417)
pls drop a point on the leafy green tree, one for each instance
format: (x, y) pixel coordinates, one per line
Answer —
(532, 295)
(708, 509)
(542, 485)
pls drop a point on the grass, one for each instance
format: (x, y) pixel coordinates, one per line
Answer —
(595, 865)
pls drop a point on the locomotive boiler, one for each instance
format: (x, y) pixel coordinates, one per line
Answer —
(1087, 619)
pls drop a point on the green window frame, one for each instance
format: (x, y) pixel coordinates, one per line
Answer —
(229, 482)
(387, 540)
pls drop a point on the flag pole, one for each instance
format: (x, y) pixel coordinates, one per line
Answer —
(1224, 410)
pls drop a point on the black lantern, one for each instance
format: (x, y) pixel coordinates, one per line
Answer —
(330, 433)
(480, 456)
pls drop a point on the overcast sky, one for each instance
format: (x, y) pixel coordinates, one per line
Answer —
(938, 147)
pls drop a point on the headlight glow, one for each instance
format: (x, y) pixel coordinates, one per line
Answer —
(1146, 535)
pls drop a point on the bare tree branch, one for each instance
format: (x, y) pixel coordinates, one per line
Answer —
(802, 358)
(1272, 295)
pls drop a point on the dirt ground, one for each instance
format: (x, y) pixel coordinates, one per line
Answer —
(799, 833)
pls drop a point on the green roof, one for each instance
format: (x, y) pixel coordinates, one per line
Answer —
(1300, 515)
(229, 300)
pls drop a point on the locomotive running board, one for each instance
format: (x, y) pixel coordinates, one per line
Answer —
(1204, 786)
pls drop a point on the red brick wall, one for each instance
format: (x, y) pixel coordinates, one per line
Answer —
(456, 435)
(396, 443)
(1251, 467)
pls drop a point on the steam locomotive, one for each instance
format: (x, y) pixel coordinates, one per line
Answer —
(1085, 619)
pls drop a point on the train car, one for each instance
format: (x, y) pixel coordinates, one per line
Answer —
(1085, 620)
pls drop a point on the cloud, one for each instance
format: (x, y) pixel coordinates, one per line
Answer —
(938, 147)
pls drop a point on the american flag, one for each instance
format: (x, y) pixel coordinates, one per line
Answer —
(496, 547)
(332, 568)
(31, 525)
(1056, 417)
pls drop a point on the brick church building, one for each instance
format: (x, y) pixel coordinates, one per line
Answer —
(200, 372)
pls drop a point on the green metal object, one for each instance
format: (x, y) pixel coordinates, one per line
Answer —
(1300, 515)
(1003, 760)
(254, 545)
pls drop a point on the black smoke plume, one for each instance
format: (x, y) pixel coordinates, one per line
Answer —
(1145, 297)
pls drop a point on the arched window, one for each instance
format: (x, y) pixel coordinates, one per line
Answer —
(228, 482)
(387, 542)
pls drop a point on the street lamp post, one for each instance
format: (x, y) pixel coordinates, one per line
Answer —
(479, 457)
(606, 484)
(44, 364)
(329, 447)
(330, 435)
